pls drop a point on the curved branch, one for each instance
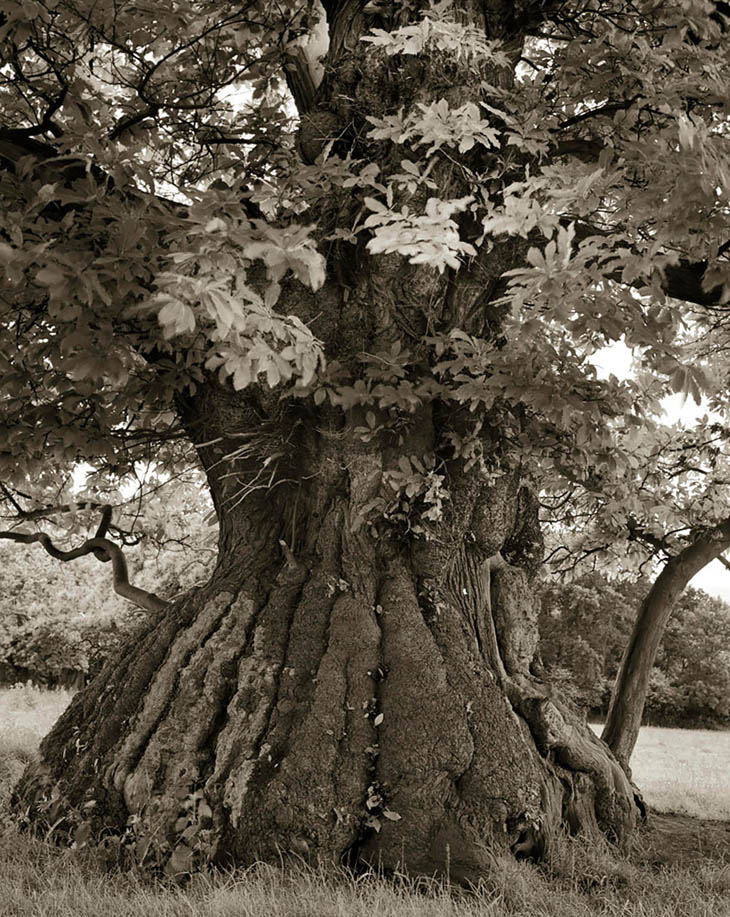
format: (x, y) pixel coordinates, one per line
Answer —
(102, 554)
(632, 681)
(104, 522)
(46, 512)
(96, 546)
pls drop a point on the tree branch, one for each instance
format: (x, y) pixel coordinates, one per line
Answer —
(45, 512)
(303, 66)
(127, 537)
(608, 108)
(638, 533)
(629, 693)
(15, 145)
(103, 549)
(680, 281)
(684, 281)
(132, 120)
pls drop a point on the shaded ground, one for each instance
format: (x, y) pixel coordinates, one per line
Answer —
(681, 840)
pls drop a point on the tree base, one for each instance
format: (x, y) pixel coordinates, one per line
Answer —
(362, 730)
(369, 701)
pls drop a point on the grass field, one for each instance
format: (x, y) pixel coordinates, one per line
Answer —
(26, 715)
(683, 770)
(679, 770)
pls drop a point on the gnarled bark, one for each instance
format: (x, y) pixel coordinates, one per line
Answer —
(342, 692)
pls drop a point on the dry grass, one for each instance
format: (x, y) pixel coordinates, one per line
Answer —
(41, 881)
(38, 882)
(29, 712)
(683, 770)
(26, 715)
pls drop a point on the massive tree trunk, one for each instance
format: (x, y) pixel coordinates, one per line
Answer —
(350, 686)
(345, 693)
(626, 709)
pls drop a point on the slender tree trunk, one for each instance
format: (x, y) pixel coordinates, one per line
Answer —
(632, 682)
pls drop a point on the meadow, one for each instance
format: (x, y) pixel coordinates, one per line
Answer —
(678, 770)
(682, 770)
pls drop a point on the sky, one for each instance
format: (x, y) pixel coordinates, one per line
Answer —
(616, 359)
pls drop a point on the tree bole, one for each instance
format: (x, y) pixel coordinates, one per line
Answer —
(354, 684)
(343, 693)
(623, 720)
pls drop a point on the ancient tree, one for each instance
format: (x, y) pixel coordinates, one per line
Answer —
(357, 254)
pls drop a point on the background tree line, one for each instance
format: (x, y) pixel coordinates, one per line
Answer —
(585, 625)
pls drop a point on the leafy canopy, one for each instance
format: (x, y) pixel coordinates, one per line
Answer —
(154, 201)
(584, 628)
